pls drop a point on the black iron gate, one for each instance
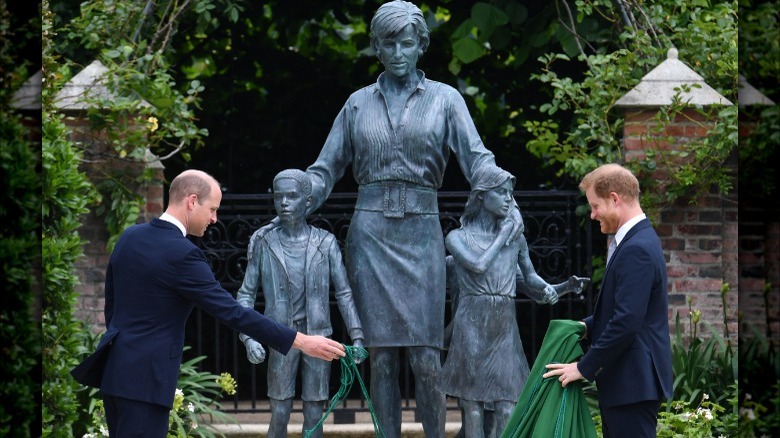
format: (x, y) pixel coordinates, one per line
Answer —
(559, 242)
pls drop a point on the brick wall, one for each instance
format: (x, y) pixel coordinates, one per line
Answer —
(700, 240)
(759, 259)
(99, 159)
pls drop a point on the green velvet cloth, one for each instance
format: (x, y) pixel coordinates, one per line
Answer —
(545, 409)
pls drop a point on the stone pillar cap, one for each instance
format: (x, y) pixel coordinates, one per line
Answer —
(748, 95)
(87, 84)
(665, 81)
(28, 97)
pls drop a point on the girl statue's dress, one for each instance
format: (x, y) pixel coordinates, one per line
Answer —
(486, 361)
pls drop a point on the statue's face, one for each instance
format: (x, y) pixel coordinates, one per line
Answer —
(498, 201)
(399, 54)
(289, 200)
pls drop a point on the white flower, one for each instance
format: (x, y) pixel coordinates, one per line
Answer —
(747, 413)
(104, 430)
(706, 396)
(179, 392)
(191, 407)
(89, 435)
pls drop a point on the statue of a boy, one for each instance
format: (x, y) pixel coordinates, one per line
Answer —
(296, 265)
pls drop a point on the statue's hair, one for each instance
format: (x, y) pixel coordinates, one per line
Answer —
(392, 17)
(609, 178)
(298, 175)
(485, 178)
(191, 182)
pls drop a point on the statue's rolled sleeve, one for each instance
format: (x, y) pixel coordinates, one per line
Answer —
(464, 139)
(247, 293)
(343, 292)
(334, 158)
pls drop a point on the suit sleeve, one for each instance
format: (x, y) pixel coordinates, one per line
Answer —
(198, 284)
(634, 271)
(108, 306)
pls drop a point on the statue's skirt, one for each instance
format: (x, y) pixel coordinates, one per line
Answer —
(396, 268)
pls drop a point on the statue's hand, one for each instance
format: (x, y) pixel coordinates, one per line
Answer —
(358, 343)
(574, 285)
(275, 222)
(506, 227)
(255, 352)
(518, 225)
(550, 295)
(577, 284)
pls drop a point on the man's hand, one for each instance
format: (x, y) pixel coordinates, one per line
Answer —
(358, 343)
(319, 347)
(566, 372)
(255, 352)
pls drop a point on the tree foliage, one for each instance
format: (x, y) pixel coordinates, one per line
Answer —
(614, 59)
(759, 63)
(243, 89)
(66, 194)
(19, 240)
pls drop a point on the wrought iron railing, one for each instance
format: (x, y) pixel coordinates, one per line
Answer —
(559, 243)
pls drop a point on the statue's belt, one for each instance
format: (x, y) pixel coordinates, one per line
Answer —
(394, 199)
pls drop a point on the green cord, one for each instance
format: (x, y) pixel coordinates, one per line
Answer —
(349, 372)
(561, 414)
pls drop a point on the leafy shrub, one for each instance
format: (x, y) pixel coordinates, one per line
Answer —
(704, 366)
(66, 194)
(703, 420)
(196, 399)
(759, 392)
(19, 251)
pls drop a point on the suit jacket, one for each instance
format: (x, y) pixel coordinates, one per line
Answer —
(155, 277)
(323, 267)
(630, 356)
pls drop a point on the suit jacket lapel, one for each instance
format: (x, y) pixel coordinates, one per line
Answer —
(641, 225)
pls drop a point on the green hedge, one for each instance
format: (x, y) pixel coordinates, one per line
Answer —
(19, 251)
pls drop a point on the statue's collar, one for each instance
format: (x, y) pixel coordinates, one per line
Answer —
(380, 81)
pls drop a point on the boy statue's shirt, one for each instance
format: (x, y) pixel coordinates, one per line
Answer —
(295, 259)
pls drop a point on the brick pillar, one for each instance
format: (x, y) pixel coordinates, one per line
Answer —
(759, 257)
(699, 240)
(99, 160)
(102, 163)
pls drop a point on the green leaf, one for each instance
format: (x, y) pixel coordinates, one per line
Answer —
(465, 29)
(468, 49)
(487, 17)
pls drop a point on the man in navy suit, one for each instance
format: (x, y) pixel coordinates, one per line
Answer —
(155, 277)
(630, 356)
